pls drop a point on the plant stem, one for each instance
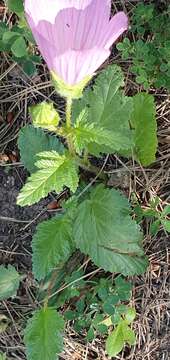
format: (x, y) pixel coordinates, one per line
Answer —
(86, 160)
(93, 169)
(68, 124)
(68, 112)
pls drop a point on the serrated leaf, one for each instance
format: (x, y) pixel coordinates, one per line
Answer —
(85, 133)
(104, 230)
(43, 335)
(33, 141)
(144, 122)
(9, 282)
(108, 108)
(55, 172)
(115, 341)
(44, 115)
(52, 244)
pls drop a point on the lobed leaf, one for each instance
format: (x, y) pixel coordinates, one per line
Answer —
(43, 335)
(104, 230)
(55, 172)
(108, 108)
(84, 134)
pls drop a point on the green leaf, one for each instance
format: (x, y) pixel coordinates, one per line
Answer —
(120, 335)
(123, 288)
(2, 356)
(130, 315)
(29, 67)
(102, 293)
(166, 211)
(55, 172)
(166, 225)
(90, 335)
(3, 29)
(52, 244)
(85, 133)
(43, 335)
(115, 341)
(128, 334)
(44, 115)
(16, 6)
(108, 308)
(144, 123)
(9, 282)
(19, 47)
(104, 230)
(102, 329)
(33, 141)
(108, 109)
(9, 36)
(116, 318)
(154, 227)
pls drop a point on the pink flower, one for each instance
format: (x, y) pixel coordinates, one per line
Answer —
(74, 36)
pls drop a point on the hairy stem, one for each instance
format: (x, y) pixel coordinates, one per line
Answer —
(68, 124)
(68, 112)
(93, 169)
(85, 158)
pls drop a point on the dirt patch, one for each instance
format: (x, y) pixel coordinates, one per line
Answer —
(17, 224)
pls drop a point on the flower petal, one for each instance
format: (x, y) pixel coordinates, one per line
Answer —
(48, 9)
(73, 28)
(74, 66)
(117, 25)
(74, 36)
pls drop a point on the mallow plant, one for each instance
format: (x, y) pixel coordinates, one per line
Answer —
(75, 37)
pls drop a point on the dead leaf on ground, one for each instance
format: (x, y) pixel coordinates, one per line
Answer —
(3, 158)
(10, 118)
(4, 322)
(54, 205)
